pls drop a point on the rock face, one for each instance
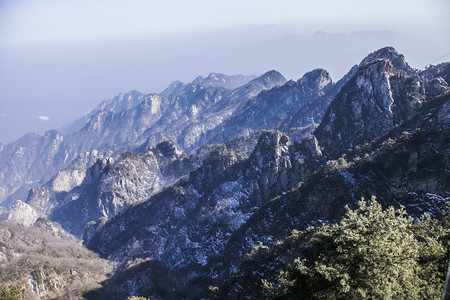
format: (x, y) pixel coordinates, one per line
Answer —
(110, 187)
(46, 197)
(366, 101)
(384, 93)
(22, 213)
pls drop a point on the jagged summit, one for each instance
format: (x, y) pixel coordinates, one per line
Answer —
(168, 150)
(266, 81)
(175, 86)
(361, 111)
(272, 76)
(52, 134)
(318, 79)
(397, 60)
(384, 92)
(215, 80)
(216, 76)
(226, 81)
(120, 103)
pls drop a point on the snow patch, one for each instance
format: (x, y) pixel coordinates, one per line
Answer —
(348, 177)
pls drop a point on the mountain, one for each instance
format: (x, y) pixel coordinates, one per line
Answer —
(407, 166)
(206, 223)
(190, 117)
(116, 125)
(207, 110)
(199, 229)
(197, 111)
(123, 101)
(125, 189)
(399, 168)
(177, 189)
(187, 225)
(294, 104)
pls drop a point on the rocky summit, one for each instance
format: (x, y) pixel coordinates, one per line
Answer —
(200, 191)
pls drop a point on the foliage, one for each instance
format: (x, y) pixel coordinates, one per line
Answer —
(334, 165)
(11, 293)
(256, 249)
(372, 253)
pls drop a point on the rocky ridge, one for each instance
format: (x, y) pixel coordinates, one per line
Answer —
(385, 92)
(123, 124)
(200, 103)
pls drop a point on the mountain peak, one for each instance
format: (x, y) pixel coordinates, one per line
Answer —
(22, 213)
(316, 79)
(271, 77)
(377, 65)
(398, 60)
(221, 80)
(173, 87)
(198, 80)
(273, 74)
(216, 76)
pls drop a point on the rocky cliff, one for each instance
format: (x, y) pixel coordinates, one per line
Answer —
(385, 92)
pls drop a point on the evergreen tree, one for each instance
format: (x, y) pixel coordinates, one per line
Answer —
(371, 254)
(11, 293)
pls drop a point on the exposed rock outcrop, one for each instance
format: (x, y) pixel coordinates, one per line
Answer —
(22, 213)
(384, 93)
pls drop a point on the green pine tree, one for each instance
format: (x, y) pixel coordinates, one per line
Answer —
(11, 293)
(371, 254)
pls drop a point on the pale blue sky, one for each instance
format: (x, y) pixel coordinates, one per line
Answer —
(49, 21)
(59, 59)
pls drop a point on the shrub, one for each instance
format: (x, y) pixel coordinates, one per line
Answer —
(11, 293)
(372, 253)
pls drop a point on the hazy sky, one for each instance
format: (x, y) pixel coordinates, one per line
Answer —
(59, 59)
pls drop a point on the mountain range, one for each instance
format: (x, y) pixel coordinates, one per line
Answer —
(175, 188)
